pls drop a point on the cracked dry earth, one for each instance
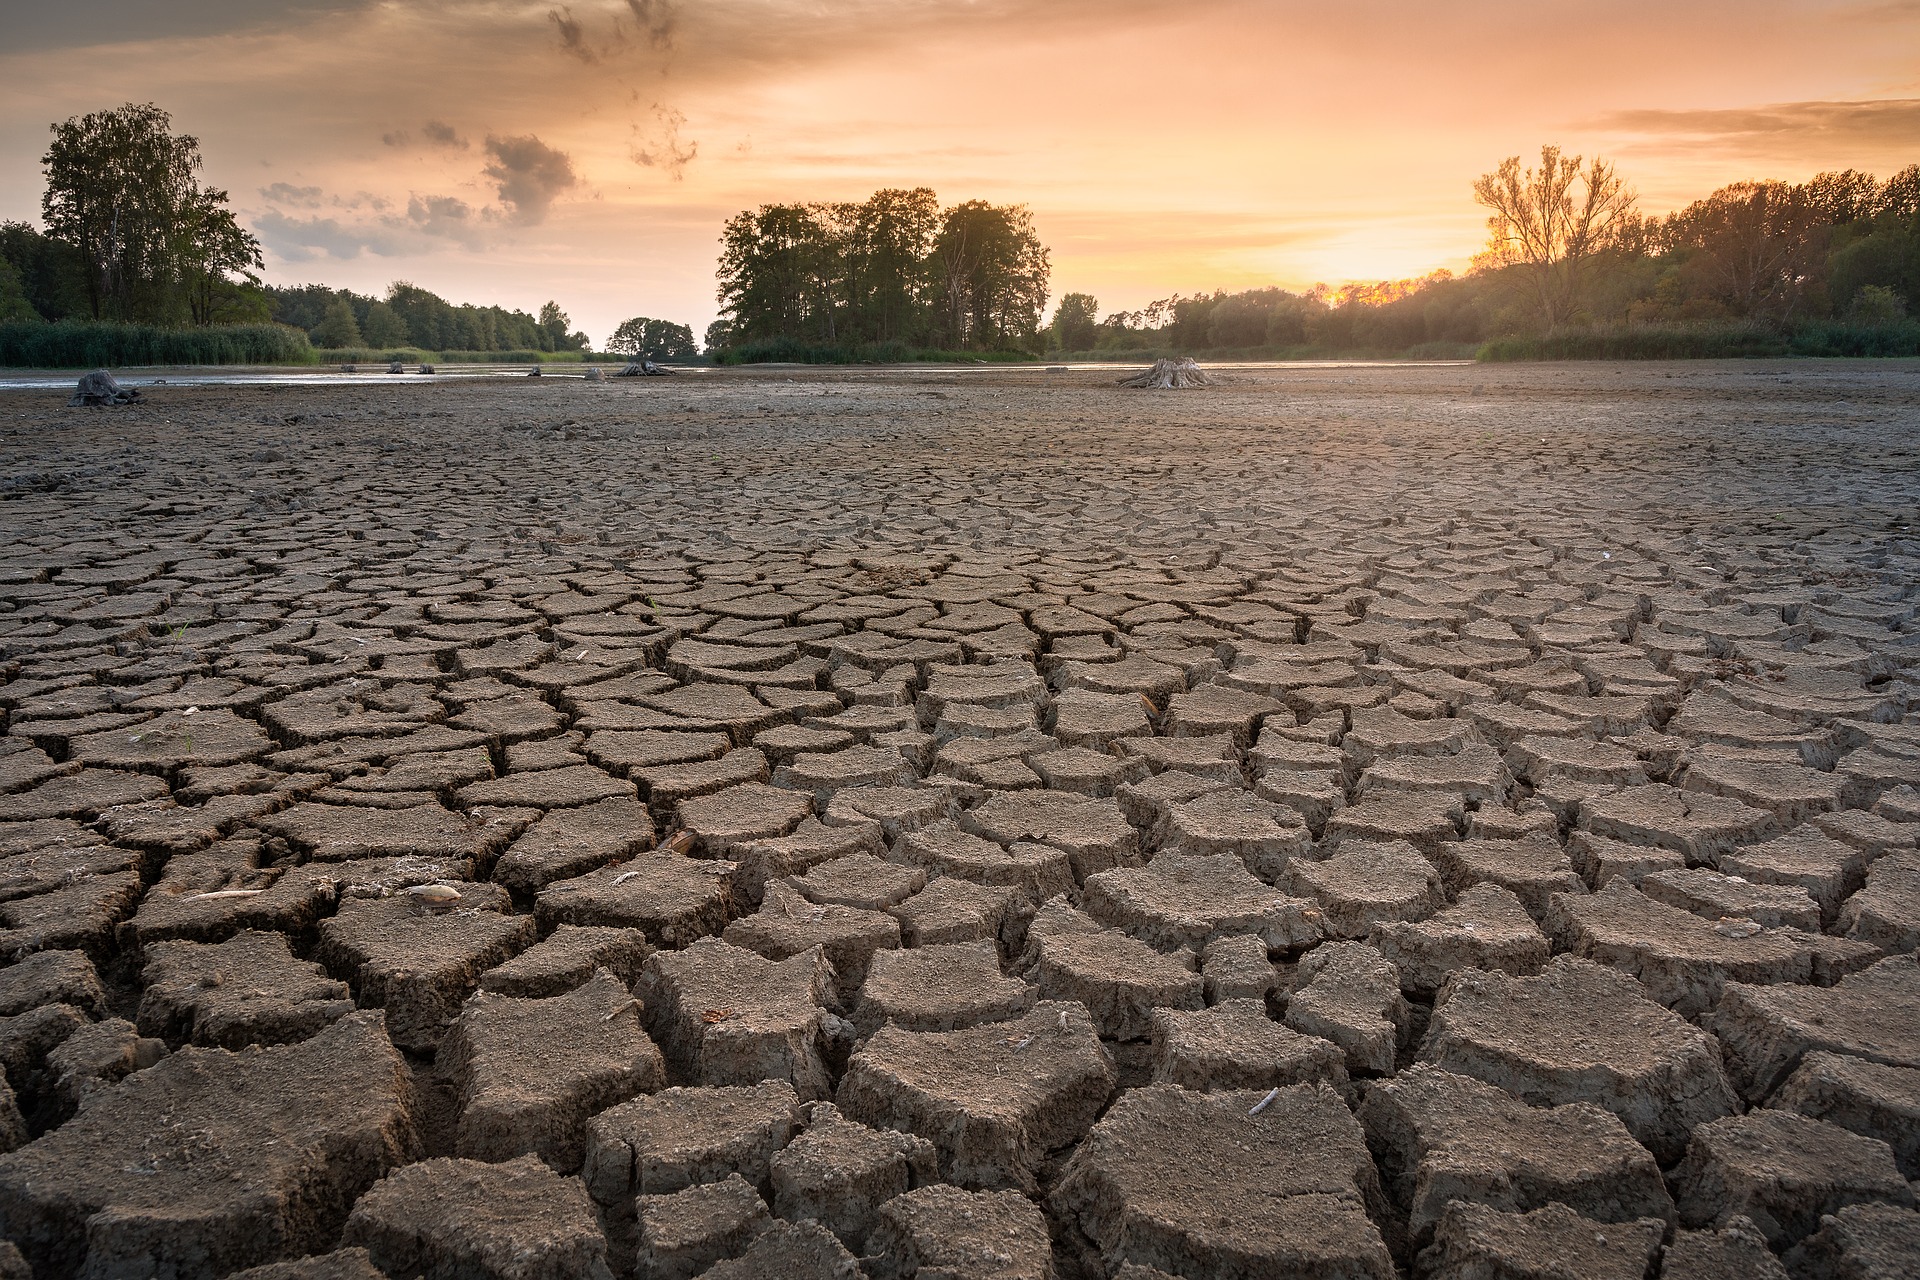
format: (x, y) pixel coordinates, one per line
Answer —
(1452, 822)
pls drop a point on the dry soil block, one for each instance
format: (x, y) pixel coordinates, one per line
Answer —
(1551, 1243)
(1219, 1186)
(1182, 900)
(944, 1231)
(419, 967)
(1874, 1014)
(211, 1160)
(530, 1072)
(463, 1220)
(837, 1172)
(1119, 979)
(1235, 1045)
(726, 1015)
(1783, 1171)
(994, 1099)
(681, 1137)
(1440, 1137)
(246, 990)
(1582, 1033)
(939, 988)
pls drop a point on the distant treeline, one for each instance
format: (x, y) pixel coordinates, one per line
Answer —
(894, 271)
(1828, 266)
(410, 316)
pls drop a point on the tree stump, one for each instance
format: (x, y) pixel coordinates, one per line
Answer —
(1171, 375)
(100, 388)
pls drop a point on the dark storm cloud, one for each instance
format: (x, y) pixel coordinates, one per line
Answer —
(529, 174)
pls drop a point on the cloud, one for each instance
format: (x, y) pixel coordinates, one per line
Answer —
(660, 147)
(304, 239)
(447, 216)
(657, 20)
(530, 174)
(573, 34)
(435, 133)
(441, 134)
(1822, 126)
(286, 193)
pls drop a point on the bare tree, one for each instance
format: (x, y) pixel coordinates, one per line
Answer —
(1552, 221)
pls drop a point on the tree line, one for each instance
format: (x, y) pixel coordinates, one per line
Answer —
(410, 316)
(1569, 251)
(894, 269)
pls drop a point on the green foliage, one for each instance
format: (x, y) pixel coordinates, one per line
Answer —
(796, 351)
(337, 328)
(413, 317)
(383, 326)
(52, 273)
(653, 339)
(1876, 304)
(13, 298)
(86, 344)
(893, 268)
(153, 245)
(1075, 324)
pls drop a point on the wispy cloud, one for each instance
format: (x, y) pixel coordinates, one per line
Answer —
(659, 146)
(1873, 123)
(529, 174)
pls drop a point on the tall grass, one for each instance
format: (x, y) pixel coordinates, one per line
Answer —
(796, 351)
(79, 344)
(1726, 341)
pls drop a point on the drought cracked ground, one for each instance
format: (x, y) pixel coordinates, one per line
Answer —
(1349, 823)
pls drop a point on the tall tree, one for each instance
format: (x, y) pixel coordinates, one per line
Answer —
(337, 327)
(1552, 222)
(992, 281)
(1076, 322)
(122, 189)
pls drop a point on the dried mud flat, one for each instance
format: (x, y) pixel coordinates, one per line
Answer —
(1450, 822)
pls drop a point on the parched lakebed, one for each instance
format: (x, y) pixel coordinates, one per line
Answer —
(1351, 821)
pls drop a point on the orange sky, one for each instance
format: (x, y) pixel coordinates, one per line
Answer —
(1163, 146)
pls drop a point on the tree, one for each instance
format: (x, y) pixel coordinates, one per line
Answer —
(992, 277)
(209, 246)
(122, 190)
(1075, 325)
(1838, 198)
(653, 339)
(1551, 222)
(719, 337)
(337, 328)
(13, 297)
(384, 327)
(1759, 248)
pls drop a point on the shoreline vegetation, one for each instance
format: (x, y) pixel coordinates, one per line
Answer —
(106, 344)
(138, 264)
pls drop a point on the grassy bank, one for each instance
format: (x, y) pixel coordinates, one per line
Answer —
(1712, 342)
(793, 351)
(70, 344)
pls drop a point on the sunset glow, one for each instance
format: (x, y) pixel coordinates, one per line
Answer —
(1162, 146)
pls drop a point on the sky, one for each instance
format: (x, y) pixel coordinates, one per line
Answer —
(503, 152)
